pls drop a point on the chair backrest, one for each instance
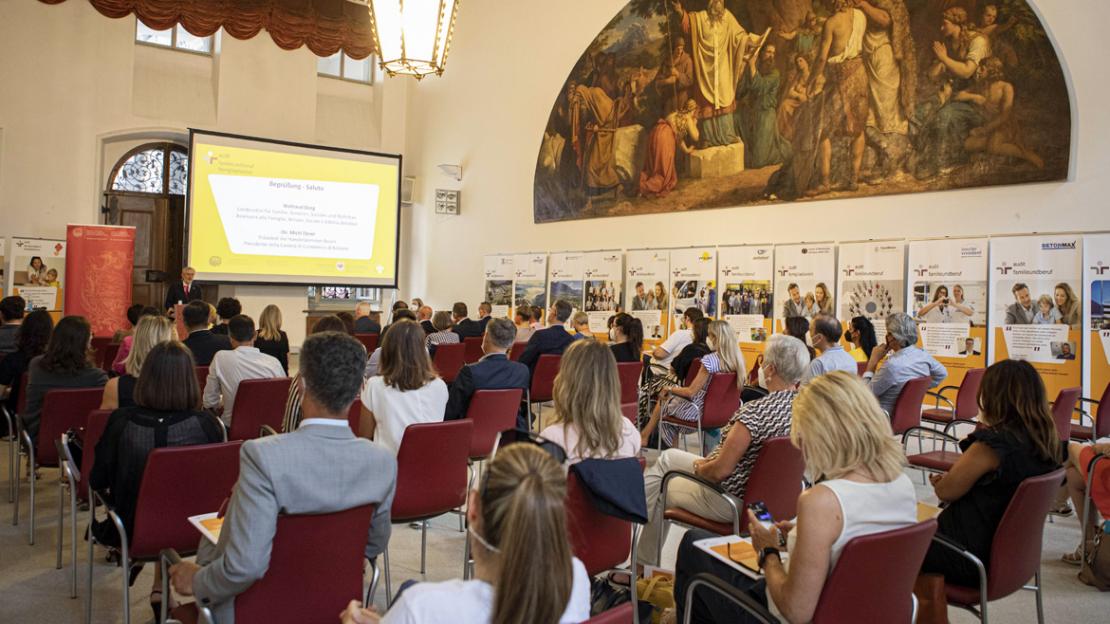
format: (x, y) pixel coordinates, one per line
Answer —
(431, 470)
(620, 614)
(202, 377)
(629, 374)
(491, 412)
(94, 429)
(99, 346)
(107, 355)
(873, 578)
(543, 377)
(516, 350)
(861, 368)
(775, 479)
(967, 398)
(63, 410)
(1102, 415)
(722, 399)
(473, 351)
(449, 360)
(258, 402)
(354, 415)
(326, 548)
(370, 341)
(907, 408)
(692, 372)
(1062, 409)
(600, 541)
(178, 482)
(1016, 549)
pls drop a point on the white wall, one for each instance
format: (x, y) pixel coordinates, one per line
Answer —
(509, 60)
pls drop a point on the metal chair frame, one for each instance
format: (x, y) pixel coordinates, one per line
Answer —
(735, 503)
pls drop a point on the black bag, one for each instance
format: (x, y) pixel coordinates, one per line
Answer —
(75, 445)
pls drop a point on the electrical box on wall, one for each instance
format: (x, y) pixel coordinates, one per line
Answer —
(447, 202)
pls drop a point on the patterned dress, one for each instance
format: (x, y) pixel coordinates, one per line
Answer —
(764, 418)
(685, 409)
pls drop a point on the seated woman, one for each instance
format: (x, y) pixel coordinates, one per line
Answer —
(523, 567)
(167, 408)
(1019, 442)
(685, 402)
(34, 334)
(698, 347)
(1078, 463)
(407, 392)
(522, 318)
(588, 419)
(292, 418)
(441, 321)
(798, 327)
(125, 344)
(150, 332)
(861, 334)
(271, 340)
(627, 338)
(66, 364)
(846, 438)
(785, 362)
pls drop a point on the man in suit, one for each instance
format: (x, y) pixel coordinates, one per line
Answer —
(424, 316)
(364, 324)
(1021, 311)
(321, 467)
(465, 327)
(184, 291)
(485, 310)
(969, 347)
(553, 339)
(493, 372)
(794, 305)
(202, 342)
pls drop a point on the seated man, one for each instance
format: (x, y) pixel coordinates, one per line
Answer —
(11, 311)
(296, 473)
(485, 311)
(825, 332)
(493, 372)
(554, 339)
(663, 354)
(581, 324)
(226, 308)
(785, 362)
(464, 327)
(907, 361)
(243, 361)
(203, 343)
(364, 323)
(424, 317)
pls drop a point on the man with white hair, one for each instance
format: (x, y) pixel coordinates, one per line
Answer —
(907, 361)
(364, 324)
(785, 363)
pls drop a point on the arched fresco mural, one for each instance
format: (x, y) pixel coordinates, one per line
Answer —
(686, 104)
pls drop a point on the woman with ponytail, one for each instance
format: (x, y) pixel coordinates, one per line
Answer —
(524, 572)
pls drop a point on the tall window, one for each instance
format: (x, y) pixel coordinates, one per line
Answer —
(339, 65)
(177, 38)
(153, 168)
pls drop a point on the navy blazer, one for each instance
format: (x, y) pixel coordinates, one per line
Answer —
(204, 344)
(366, 325)
(467, 328)
(494, 372)
(482, 322)
(552, 340)
(176, 292)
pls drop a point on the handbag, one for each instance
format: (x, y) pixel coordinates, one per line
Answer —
(75, 445)
(1096, 565)
(658, 591)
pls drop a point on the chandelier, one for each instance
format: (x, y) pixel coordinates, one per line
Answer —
(413, 36)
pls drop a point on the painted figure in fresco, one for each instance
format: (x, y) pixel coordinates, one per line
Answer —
(1000, 134)
(676, 77)
(795, 95)
(759, 93)
(659, 175)
(890, 59)
(593, 122)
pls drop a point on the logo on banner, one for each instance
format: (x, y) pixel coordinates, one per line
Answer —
(58, 248)
(848, 271)
(760, 252)
(705, 256)
(1004, 269)
(921, 272)
(1099, 268)
(1057, 246)
(78, 232)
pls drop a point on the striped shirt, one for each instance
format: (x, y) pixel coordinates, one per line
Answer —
(764, 418)
(442, 337)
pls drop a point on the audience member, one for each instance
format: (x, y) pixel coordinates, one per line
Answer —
(907, 361)
(125, 345)
(271, 340)
(416, 304)
(522, 317)
(202, 341)
(485, 310)
(364, 324)
(785, 363)
(580, 322)
(825, 333)
(407, 392)
(1018, 441)
(244, 361)
(166, 412)
(662, 356)
(798, 327)
(399, 312)
(34, 334)
(627, 337)
(537, 317)
(373, 363)
(11, 311)
(463, 326)
(553, 340)
(226, 309)
(493, 372)
(292, 416)
(319, 468)
(443, 334)
(698, 348)
(524, 572)
(66, 363)
(685, 402)
(132, 313)
(348, 321)
(588, 419)
(151, 331)
(846, 439)
(861, 333)
(424, 317)
(1078, 462)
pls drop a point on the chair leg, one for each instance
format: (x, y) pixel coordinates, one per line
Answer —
(125, 559)
(73, 540)
(375, 574)
(61, 523)
(388, 585)
(89, 572)
(16, 463)
(423, 546)
(466, 559)
(1040, 598)
(31, 505)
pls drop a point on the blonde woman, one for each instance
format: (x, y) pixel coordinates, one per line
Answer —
(1067, 303)
(271, 340)
(860, 489)
(822, 298)
(588, 419)
(151, 331)
(685, 402)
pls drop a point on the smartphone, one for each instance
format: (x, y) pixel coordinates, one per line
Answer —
(761, 514)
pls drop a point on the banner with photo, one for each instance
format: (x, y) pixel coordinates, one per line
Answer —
(566, 278)
(602, 271)
(37, 271)
(872, 281)
(647, 272)
(947, 294)
(3, 266)
(499, 271)
(693, 282)
(530, 282)
(1035, 310)
(1096, 289)
(805, 276)
(100, 263)
(745, 276)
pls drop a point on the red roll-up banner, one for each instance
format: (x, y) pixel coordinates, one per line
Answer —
(99, 264)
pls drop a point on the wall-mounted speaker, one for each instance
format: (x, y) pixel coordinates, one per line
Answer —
(408, 190)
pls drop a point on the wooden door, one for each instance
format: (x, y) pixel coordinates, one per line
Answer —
(149, 215)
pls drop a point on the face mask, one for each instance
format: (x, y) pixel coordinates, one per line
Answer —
(762, 378)
(612, 335)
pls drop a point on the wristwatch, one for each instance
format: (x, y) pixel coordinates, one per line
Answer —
(768, 551)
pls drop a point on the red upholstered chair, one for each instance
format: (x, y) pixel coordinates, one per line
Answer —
(62, 410)
(907, 408)
(370, 341)
(1015, 550)
(872, 580)
(449, 360)
(1100, 428)
(202, 378)
(473, 351)
(861, 368)
(15, 448)
(354, 415)
(692, 372)
(491, 412)
(629, 374)
(542, 388)
(602, 542)
(100, 346)
(258, 403)
(516, 350)
(178, 482)
(775, 479)
(722, 399)
(108, 355)
(431, 479)
(1062, 409)
(326, 547)
(966, 406)
(620, 614)
(75, 480)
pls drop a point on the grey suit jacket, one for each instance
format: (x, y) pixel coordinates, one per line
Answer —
(791, 309)
(1017, 315)
(315, 469)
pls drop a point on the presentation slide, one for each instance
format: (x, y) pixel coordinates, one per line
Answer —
(273, 212)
